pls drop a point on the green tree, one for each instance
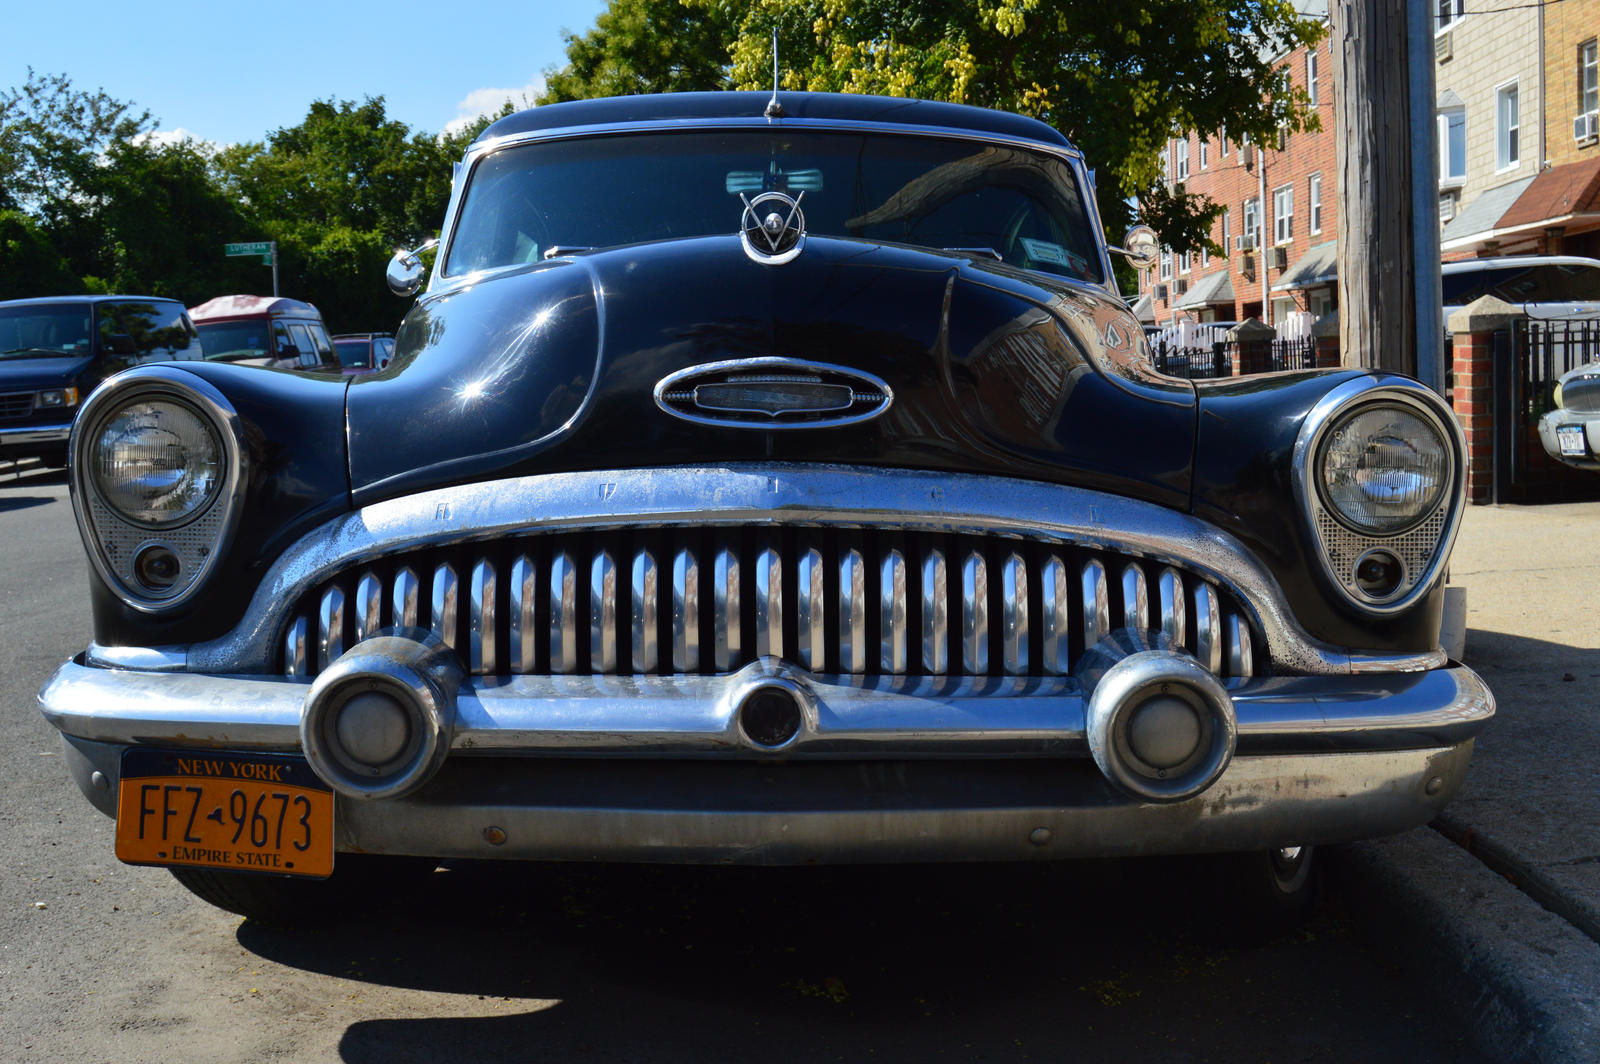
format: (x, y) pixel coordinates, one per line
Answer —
(642, 46)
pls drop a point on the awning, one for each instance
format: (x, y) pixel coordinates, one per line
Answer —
(1477, 220)
(1217, 288)
(1555, 196)
(1320, 265)
(1144, 308)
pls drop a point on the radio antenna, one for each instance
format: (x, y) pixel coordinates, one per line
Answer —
(774, 108)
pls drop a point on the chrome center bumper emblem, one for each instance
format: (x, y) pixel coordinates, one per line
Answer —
(773, 229)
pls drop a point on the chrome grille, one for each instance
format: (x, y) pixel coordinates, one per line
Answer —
(16, 404)
(861, 602)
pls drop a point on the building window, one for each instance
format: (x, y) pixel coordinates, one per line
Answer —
(1222, 141)
(1166, 264)
(1283, 214)
(1588, 79)
(1227, 231)
(1453, 145)
(1314, 202)
(1203, 145)
(1449, 12)
(1185, 262)
(1251, 234)
(1180, 159)
(1505, 127)
(1311, 76)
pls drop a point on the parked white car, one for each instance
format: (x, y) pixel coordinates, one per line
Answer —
(1546, 286)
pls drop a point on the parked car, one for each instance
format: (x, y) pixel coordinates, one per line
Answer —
(363, 352)
(265, 331)
(55, 351)
(761, 482)
(1571, 432)
(1545, 286)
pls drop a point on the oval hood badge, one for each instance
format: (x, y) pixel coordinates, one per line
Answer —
(773, 393)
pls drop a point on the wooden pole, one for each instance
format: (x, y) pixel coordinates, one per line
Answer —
(1372, 127)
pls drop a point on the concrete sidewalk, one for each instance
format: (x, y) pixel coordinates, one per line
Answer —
(1496, 907)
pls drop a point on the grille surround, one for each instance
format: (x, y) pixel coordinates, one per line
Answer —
(15, 405)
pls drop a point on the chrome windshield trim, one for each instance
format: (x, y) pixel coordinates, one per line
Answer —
(771, 495)
(628, 716)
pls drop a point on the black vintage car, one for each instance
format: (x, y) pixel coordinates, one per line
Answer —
(760, 481)
(55, 351)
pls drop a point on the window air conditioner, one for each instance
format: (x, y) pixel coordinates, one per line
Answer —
(1280, 258)
(1443, 46)
(1183, 286)
(1161, 291)
(1247, 242)
(1586, 126)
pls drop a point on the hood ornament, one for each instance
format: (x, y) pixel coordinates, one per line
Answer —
(773, 229)
(773, 393)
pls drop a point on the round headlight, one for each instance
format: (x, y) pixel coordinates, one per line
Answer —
(157, 462)
(1384, 469)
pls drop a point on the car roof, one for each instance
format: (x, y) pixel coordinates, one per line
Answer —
(81, 299)
(362, 336)
(225, 307)
(847, 107)
(1512, 261)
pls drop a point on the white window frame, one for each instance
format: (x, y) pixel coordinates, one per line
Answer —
(1445, 118)
(1252, 221)
(1186, 262)
(1204, 160)
(1166, 264)
(1311, 76)
(1180, 159)
(1589, 76)
(1314, 203)
(1507, 136)
(1222, 140)
(1227, 232)
(1447, 13)
(1282, 219)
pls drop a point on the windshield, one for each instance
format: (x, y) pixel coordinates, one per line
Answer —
(229, 341)
(37, 331)
(1019, 206)
(156, 330)
(1545, 283)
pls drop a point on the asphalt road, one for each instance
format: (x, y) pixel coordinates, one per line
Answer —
(1082, 962)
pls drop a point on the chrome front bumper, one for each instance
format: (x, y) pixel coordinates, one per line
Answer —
(656, 768)
(33, 435)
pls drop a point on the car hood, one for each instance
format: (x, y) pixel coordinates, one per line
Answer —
(554, 366)
(40, 372)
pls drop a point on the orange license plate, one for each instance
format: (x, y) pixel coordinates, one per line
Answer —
(242, 812)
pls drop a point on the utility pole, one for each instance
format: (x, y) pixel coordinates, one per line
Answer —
(1382, 56)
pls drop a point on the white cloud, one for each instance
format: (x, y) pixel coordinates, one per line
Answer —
(160, 138)
(481, 102)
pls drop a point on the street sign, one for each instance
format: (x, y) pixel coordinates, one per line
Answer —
(258, 247)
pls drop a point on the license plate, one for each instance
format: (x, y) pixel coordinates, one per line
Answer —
(1572, 441)
(243, 812)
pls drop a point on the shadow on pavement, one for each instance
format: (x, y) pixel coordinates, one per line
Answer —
(1092, 960)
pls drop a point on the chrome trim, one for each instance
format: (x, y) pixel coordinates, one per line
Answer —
(295, 648)
(783, 246)
(1174, 609)
(603, 612)
(563, 614)
(644, 716)
(774, 494)
(646, 586)
(368, 605)
(811, 609)
(1207, 629)
(330, 627)
(852, 612)
(1381, 388)
(1096, 604)
(1135, 599)
(685, 612)
(144, 659)
(769, 604)
(523, 621)
(212, 407)
(935, 613)
(15, 437)
(446, 603)
(1055, 621)
(892, 656)
(725, 616)
(771, 364)
(975, 615)
(407, 598)
(481, 636)
(1241, 659)
(1014, 616)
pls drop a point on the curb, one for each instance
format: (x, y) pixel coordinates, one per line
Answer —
(1523, 983)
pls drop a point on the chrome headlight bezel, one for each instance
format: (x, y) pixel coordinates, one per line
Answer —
(1420, 546)
(191, 544)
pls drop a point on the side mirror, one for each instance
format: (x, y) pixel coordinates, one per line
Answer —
(1141, 247)
(406, 271)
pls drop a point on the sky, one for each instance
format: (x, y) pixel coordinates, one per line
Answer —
(231, 73)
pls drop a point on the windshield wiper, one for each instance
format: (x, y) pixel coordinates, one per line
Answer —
(982, 253)
(555, 250)
(34, 351)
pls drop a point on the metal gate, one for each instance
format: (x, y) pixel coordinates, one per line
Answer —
(1529, 359)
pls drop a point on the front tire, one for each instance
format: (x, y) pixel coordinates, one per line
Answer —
(1266, 893)
(361, 883)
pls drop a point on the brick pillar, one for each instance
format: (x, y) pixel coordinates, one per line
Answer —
(1473, 329)
(1325, 330)
(1252, 339)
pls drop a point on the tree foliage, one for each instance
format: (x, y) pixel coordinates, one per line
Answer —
(640, 46)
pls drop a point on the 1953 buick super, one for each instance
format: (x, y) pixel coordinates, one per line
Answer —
(766, 482)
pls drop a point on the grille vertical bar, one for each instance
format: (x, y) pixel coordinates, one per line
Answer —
(831, 600)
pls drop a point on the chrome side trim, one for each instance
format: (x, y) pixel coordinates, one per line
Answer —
(692, 497)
